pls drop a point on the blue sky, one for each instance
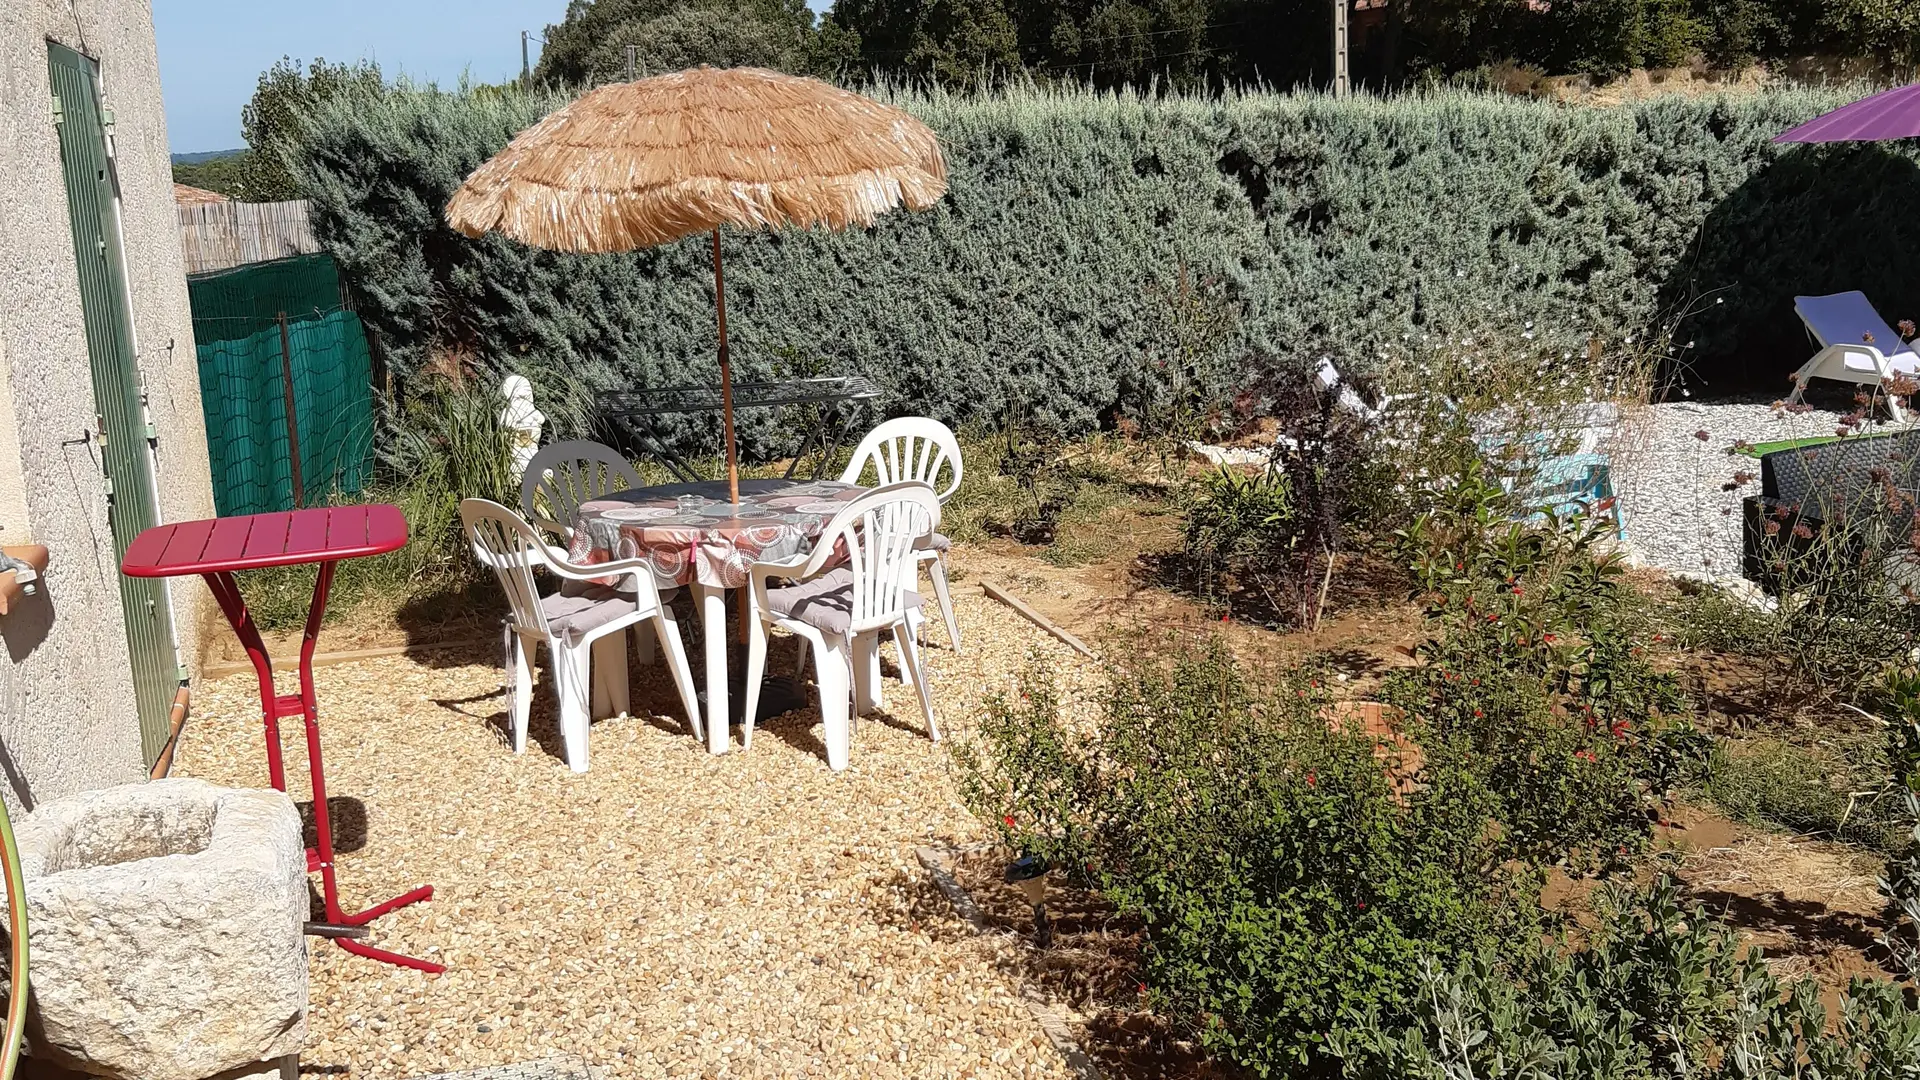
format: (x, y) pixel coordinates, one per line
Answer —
(213, 51)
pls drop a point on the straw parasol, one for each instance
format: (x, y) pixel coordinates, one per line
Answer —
(631, 165)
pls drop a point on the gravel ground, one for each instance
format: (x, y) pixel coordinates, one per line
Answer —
(1672, 483)
(668, 913)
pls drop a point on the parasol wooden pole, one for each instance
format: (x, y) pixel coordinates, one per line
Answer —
(726, 374)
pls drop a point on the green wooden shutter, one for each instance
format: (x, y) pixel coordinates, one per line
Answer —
(92, 190)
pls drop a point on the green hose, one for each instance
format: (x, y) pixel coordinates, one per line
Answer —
(17, 930)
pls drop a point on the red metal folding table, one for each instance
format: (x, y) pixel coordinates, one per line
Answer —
(215, 549)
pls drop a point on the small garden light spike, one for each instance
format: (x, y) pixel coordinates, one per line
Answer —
(1030, 873)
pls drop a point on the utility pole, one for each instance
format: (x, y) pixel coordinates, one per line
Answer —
(1340, 86)
(630, 50)
(526, 68)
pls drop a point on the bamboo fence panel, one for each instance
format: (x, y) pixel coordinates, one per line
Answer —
(215, 236)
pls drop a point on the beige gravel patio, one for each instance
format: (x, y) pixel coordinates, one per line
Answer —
(668, 913)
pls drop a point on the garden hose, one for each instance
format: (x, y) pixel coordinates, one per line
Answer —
(17, 932)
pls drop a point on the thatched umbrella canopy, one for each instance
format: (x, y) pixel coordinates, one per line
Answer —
(631, 165)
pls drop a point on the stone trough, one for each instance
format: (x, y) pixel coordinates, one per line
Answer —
(165, 924)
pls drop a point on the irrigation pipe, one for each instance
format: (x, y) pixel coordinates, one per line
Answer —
(176, 719)
(17, 931)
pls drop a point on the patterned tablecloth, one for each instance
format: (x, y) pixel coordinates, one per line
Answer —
(710, 545)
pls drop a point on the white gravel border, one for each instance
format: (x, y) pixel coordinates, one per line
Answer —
(1678, 489)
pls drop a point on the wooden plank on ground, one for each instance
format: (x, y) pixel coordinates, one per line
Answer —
(1035, 617)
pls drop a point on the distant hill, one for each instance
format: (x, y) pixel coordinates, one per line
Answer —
(205, 156)
(224, 171)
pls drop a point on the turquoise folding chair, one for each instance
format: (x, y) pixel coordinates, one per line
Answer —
(1562, 484)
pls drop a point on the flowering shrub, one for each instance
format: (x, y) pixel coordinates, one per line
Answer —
(1544, 602)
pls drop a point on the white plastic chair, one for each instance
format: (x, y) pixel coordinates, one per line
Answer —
(565, 474)
(840, 610)
(1857, 345)
(578, 625)
(916, 448)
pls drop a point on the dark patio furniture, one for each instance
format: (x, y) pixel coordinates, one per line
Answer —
(823, 403)
(1863, 483)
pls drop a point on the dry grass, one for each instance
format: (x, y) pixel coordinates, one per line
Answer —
(1811, 906)
(668, 913)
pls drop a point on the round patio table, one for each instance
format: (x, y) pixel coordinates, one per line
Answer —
(708, 548)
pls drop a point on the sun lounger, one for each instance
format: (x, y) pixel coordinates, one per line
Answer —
(1857, 345)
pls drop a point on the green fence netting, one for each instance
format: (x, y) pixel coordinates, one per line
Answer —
(229, 304)
(244, 353)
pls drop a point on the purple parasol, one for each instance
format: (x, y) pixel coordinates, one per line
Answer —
(1890, 114)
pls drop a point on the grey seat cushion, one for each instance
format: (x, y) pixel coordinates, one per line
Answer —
(936, 542)
(576, 613)
(825, 602)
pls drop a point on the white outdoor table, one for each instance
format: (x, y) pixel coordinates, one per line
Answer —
(709, 550)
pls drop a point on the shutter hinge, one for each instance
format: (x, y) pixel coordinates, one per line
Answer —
(59, 111)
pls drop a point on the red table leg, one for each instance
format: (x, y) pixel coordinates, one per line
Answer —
(227, 592)
(304, 704)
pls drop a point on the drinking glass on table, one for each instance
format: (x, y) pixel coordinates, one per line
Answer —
(690, 504)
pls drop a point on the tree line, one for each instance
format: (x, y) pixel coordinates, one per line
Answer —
(1189, 45)
(1197, 44)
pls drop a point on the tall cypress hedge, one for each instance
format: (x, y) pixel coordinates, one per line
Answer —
(1083, 232)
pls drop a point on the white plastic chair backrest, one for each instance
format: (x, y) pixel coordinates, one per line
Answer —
(511, 549)
(1848, 318)
(909, 448)
(565, 474)
(880, 532)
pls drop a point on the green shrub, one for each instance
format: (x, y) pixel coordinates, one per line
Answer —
(1656, 990)
(1050, 278)
(1232, 522)
(1282, 884)
(1540, 598)
(1901, 882)
(1536, 688)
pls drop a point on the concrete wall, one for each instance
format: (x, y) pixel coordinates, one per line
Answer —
(67, 715)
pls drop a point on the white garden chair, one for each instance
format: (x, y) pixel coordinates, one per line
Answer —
(584, 626)
(841, 610)
(1857, 346)
(916, 448)
(565, 474)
